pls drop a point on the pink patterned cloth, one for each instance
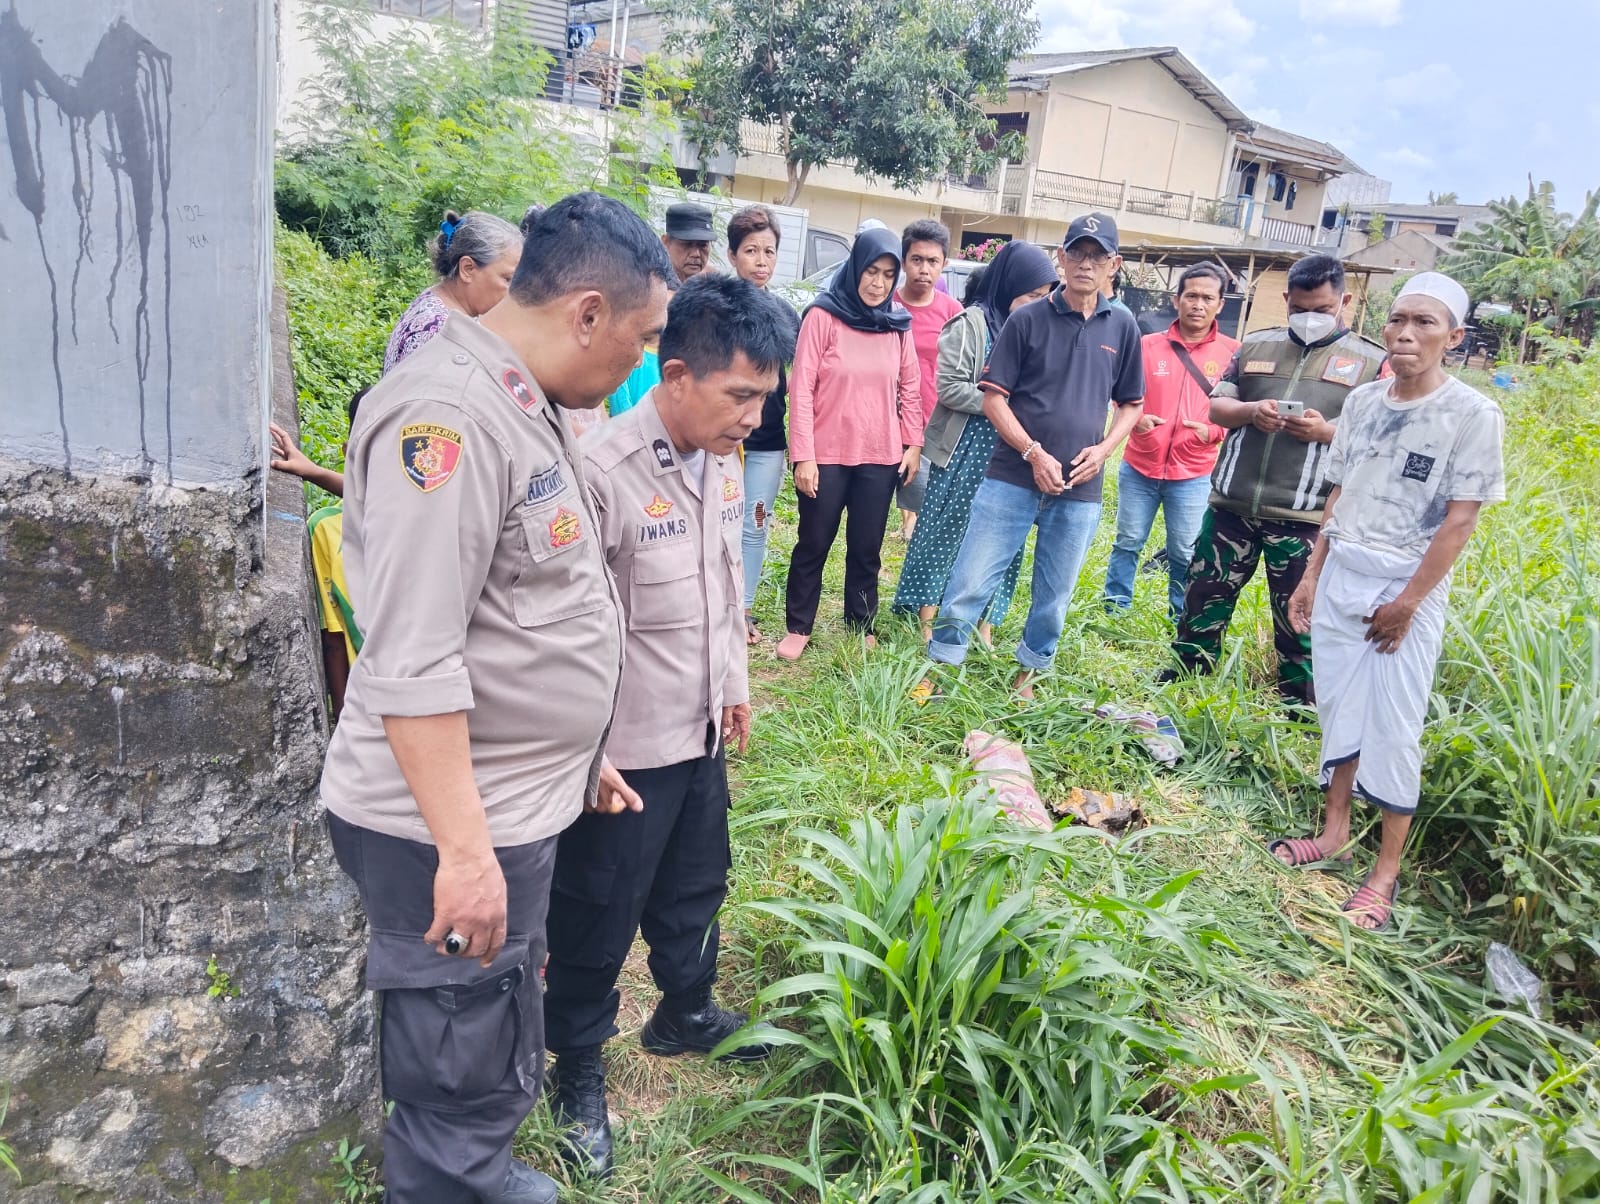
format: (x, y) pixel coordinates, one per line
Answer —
(1004, 770)
(424, 318)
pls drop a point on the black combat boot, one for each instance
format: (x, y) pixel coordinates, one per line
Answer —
(694, 1024)
(524, 1185)
(578, 1099)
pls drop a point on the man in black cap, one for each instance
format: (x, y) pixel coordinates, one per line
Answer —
(1056, 366)
(688, 239)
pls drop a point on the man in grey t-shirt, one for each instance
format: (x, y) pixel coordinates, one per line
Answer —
(1413, 462)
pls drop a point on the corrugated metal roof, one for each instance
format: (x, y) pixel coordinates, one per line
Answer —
(1043, 66)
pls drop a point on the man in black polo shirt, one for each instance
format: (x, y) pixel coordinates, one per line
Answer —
(1058, 364)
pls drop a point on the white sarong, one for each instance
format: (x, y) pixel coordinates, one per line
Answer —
(1372, 704)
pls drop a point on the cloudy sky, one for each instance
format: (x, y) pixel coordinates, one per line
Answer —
(1440, 95)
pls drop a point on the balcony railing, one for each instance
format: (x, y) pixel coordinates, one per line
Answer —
(594, 79)
(1014, 189)
(760, 138)
(1297, 234)
(1218, 213)
(1161, 204)
(1077, 190)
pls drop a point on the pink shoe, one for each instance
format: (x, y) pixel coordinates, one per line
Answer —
(791, 646)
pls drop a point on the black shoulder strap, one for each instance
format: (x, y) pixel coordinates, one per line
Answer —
(1200, 377)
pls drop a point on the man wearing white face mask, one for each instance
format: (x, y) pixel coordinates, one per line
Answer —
(1279, 401)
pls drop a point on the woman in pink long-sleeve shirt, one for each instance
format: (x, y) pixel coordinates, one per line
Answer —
(855, 432)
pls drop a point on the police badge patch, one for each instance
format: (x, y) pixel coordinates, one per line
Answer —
(565, 529)
(429, 454)
(663, 453)
(1343, 370)
(658, 507)
(730, 489)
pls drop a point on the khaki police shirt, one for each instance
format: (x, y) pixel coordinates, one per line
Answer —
(474, 560)
(676, 554)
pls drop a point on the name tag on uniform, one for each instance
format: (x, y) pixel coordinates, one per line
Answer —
(1261, 367)
(1342, 370)
(663, 529)
(543, 486)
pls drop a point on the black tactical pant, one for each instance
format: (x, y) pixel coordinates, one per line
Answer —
(1226, 554)
(662, 871)
(461, 1046)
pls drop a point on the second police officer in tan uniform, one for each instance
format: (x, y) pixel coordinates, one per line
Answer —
(472, 729)
(670, 495)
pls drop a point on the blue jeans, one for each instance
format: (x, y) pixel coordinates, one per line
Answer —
(763, 474)
(998, 529)
(1138, 499)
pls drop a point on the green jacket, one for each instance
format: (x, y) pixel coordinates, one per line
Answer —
(1278, 476)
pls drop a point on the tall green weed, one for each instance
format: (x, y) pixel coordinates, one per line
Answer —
(1513, 742)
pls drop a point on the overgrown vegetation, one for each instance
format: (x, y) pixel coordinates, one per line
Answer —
(979, 1014)
(1247, 1043)
(404, 127)
(1544, 263)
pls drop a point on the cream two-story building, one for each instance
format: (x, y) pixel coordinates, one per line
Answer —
(1141, 133)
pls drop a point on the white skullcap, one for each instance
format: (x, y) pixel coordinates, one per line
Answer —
(1442, 289)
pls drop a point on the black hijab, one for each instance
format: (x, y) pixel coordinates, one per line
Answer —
(1019, 268)
(842, 297)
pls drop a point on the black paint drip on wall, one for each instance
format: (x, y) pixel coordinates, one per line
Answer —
(126, 92)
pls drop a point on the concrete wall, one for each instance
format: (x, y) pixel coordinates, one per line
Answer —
(1132, 121)
(836, 209)
(161, 715)
(145, 237)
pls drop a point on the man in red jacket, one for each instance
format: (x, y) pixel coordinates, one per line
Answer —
(1167, 463)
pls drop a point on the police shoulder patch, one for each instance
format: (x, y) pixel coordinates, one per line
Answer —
(518, 388)
(429, 454)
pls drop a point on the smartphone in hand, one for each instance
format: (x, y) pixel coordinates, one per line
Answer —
(1291, 409)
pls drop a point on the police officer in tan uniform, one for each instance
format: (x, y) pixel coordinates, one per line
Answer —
(670, 495)
(472, 730)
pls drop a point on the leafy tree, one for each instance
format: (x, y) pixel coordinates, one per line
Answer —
(1530, 255)
(402, 127)
(1375, 227)
(895, 87)
(1444, 198)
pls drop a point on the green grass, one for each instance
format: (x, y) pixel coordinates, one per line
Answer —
(1282, 1054)
(1292, 1057)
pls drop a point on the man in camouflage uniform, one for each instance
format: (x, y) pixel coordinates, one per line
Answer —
(1269, 485)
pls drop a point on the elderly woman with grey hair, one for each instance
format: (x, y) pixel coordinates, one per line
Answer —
(475, 257)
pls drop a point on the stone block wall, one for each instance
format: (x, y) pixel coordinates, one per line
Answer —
(161, 733)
